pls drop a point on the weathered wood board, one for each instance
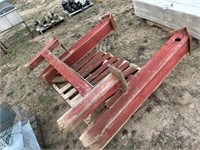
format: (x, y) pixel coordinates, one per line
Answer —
(171, 13)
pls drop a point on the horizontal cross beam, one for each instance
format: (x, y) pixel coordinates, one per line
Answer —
(38, 58)
(70, 75)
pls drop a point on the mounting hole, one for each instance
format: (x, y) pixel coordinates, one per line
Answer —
(177, 39)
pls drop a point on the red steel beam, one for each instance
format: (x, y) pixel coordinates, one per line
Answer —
(89, 103)
(116, 97)
(140, 87)
(37, 59)
(79, 83)
(83, 46)
(93, 100)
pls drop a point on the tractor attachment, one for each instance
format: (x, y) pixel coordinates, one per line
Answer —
(96, 82)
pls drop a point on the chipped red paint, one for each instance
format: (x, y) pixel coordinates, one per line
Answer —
(37, 59)
(70, 75)
(84, 68)
(83, 46)
(140, 87)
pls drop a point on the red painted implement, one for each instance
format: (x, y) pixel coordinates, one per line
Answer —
(88, 79)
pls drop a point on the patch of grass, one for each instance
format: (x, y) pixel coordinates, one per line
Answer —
(67, 147)
(133, 132)
(18, 44)
(10, 93)
(75, 141)
(149, 109)
(22, 86)
(29, 94)
(46, 99)
(33, 90)
(56, 108)
(124, 132)
(141, 50)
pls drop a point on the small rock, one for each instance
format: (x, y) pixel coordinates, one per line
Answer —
(191, 106)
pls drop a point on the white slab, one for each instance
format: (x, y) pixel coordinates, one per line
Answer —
(22, 138)
(171, 13)
(16, 141)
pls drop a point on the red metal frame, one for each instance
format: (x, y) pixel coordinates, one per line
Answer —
(70, 75)
(83, 46)
(89, 103)
(77, 51)
(74, 54)
(140, 87)
(121, 104)
(38, 58)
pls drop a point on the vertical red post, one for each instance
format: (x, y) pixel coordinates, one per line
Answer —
(38, 58)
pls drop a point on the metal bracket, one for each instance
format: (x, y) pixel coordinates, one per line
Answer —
(120, 76)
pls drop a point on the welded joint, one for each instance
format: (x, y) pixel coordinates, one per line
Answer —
(111, 20)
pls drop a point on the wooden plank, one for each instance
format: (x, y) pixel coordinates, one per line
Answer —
(70, 93)
(124, 66)
(65, 88)
(151, 23)
(56, 88)
(179, 13)
(69, 103)
(101, 69)
(76, 100)
(59, 79)
(80, 84)
(83, 61)
(129, 71)
(94, 65)
(140, 88)
(106, 72)
(91, 62)
(114, 99)
(89, 103)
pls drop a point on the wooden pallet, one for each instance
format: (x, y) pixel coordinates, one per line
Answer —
(78, 11)
(50, 25)
(93, 68)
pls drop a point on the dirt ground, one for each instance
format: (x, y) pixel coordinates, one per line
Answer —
(168, 120)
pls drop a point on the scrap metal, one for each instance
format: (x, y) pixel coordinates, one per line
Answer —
(93, 79)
